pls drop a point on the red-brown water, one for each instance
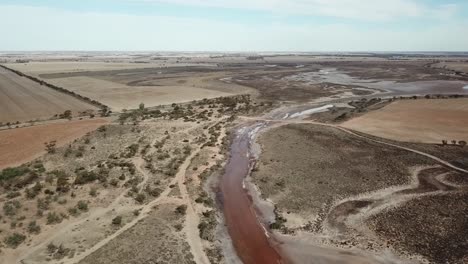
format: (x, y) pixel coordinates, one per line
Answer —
(253, 243)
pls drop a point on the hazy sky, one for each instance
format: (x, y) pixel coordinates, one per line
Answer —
(234, 25)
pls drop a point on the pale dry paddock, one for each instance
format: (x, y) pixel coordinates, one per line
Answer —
(37, 68)
(22, 145)
(422, 120)
(120, 96)
(22, 99)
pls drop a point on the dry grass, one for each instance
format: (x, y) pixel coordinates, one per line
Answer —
(37, 68)
(120, 96)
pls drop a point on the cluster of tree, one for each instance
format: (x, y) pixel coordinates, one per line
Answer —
(461, 143)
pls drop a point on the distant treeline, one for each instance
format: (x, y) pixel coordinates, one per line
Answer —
(59, 89)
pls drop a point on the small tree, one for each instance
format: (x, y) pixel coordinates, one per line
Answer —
(462, 143)
(454, 142)
(141, 106)
(444, 142)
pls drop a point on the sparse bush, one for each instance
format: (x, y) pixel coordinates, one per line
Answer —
(13, 194)
(82, 206)
(178, 227)
(51, 248)
(73, 211)
(140, 198)
(61, 252)
(117, 220)
(9, 209)
(10, 173)
(53, 218)
(34, 228)
(84, 177)
(93, 192)
(50, 147)
(14, 240)
(182, 209)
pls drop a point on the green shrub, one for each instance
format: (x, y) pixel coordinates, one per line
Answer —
(82, 206)
(117, 220)
(14, 240)
(34, 228)
(182, 209)
(86, 177)
(10, 173)
(93, 192)
(140, 198)
(53, 218)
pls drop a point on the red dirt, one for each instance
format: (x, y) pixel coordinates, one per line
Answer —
(21, 145)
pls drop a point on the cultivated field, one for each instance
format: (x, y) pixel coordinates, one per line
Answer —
(126, 85)
(25, 144)
(23, 100)
(422, 120)
(119, 96)
(38, 68)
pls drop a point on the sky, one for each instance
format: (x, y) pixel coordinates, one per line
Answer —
(234, 25)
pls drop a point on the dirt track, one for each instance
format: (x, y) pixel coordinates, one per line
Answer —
(22, 100)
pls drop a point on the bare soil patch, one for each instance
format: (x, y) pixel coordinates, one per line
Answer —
(25, 144)
(422, 120)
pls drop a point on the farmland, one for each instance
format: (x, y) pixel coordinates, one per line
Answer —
(23, 100)
(25, 144)
(126, 85)
(423, 120)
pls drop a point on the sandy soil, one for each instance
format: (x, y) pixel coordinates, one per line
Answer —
(153, 240)
(120, 96)
(428, 121)
(25, 144)
(22, 100)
